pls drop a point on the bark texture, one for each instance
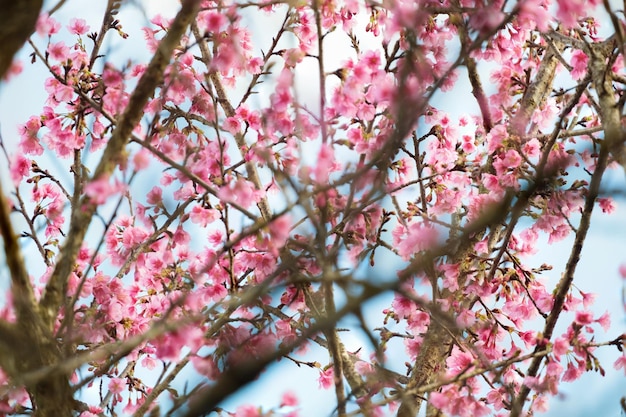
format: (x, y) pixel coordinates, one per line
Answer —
(17, 22)
(431, 360)
(30, 345)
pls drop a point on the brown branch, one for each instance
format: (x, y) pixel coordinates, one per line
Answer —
(23, 296)
(239, 375)
(517, 211)
(320, 67)
(163, 385)
(470, 372)
(264, 207)
(255, 78)
(113, 155)
(539, 90)
(107, 19)
(472, 72)
(193, 177)
(31, 226)
(215, 79)
(17, 21)
(610, 116)
(431, 358)
(9, 334)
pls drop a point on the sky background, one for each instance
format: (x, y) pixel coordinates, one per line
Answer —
(604, 251)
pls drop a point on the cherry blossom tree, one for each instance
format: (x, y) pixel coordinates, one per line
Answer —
(200, 213)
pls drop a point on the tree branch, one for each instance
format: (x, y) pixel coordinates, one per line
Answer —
(113, 155)
(610, 116)
(17, 22)
(23, 296)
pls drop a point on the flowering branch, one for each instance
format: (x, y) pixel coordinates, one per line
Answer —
(611, 122)
(113, 155)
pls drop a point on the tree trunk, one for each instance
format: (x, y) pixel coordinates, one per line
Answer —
(17, 22)
(429, 362)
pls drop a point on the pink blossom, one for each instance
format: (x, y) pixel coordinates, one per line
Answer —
(519, 309)
(540, 404)
(216, 237)
(116, 312)
(254, 65)
(206, 366)
(47, 26)
(554, 370)
(441, 155)
(242, 193)
(232, 125)
(203, 216)
(78, 26)
(579, 64)
(466, 318)
(573, 372)
(527, 244)
(58, 51)
(293, 56)
(439, 400)
(620, 363)
(101, 189)
(529, 338)
(584, 317)
(532, 148)
(569, 11)
(59, 93)
(15, 69)
(417, 237)
(130, 407)
(544, 116)
(215, 21)
(496, 398)
(149, 362)
(155, 196)
(543, 299)
(325, 163)
(561, 346)
(486, 19)
(289, 399)
(326, 378)
(248, 411)
(495, 137)
(151, 42)
(588, 298)
(468, 145)
(141, 159)
(451, 276)
(605, 321)
(459, 361)
(29, 142)
(20, 167)
(532, 382)
(607, 205)
(479, 409)
(279, 231)
(509, 161)
(491, 182)
(117, 385)
(282, 98)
